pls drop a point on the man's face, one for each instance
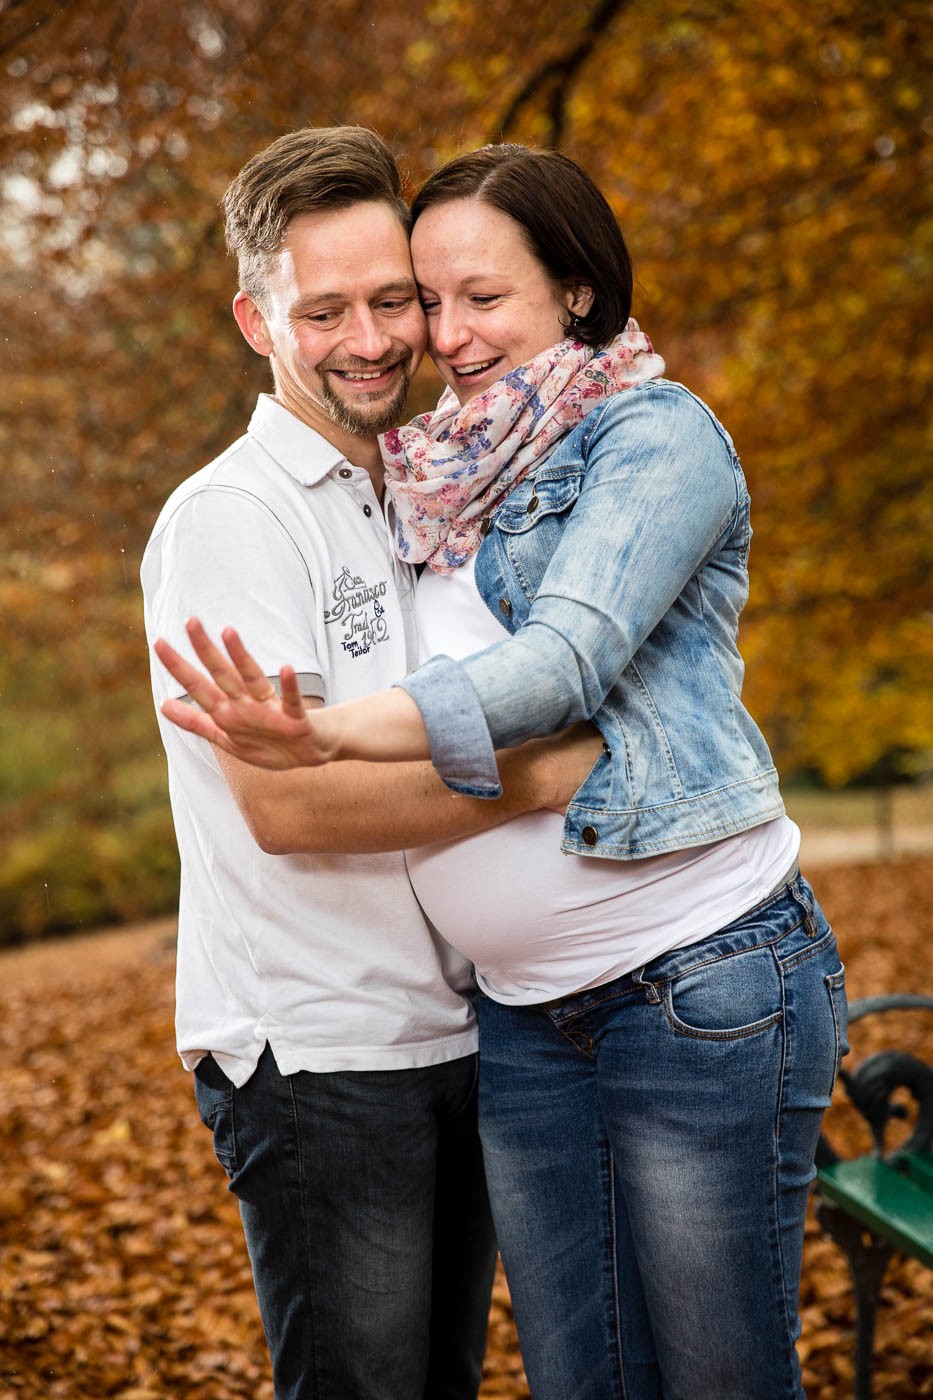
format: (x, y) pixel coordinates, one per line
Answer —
(340, 321)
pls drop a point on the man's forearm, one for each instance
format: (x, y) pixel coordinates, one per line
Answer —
(356, 807)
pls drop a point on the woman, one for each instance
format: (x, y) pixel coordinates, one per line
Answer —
(660, 1029)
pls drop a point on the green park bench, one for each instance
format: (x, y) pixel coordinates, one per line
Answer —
(874, 1205)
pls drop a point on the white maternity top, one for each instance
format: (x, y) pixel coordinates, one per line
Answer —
(539, 923)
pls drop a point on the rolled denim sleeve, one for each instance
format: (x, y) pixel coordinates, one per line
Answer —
(461, 749)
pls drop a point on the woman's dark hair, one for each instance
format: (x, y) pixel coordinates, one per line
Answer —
(566, 221)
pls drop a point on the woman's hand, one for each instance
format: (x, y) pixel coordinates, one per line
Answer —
(239, 711)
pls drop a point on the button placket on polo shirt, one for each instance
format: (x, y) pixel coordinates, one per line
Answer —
(357, 478)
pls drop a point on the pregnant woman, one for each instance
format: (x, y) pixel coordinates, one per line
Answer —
(662, 1008)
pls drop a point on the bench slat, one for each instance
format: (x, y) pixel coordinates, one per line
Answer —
(894, 1203)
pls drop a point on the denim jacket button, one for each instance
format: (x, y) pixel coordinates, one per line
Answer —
(532, 505)
(505, 607)
(590, 835)
(485, 525)
(607, 750)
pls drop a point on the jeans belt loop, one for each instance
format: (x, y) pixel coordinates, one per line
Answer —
(806, 905)
(649, 989)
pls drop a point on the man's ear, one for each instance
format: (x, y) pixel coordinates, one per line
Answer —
(252, 323)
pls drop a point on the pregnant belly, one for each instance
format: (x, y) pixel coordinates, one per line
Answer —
(530, 917)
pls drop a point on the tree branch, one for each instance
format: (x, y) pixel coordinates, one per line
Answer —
(558, 74)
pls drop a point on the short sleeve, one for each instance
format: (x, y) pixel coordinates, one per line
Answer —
(222, 555)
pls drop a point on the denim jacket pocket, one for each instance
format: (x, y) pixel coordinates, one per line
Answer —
(536, 499)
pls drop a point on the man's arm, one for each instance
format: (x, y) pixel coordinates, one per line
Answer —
(353, 808)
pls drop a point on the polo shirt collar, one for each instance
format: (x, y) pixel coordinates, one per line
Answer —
(302, 452)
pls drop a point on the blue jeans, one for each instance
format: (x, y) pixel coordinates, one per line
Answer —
(649, 1146)
(364, 1206)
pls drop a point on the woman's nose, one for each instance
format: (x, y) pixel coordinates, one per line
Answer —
(447, 332)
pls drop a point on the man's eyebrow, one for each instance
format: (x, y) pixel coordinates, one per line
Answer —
(405, 285)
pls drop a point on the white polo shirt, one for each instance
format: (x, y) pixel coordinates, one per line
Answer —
(328, 957)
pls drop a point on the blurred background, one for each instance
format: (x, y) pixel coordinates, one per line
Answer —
(772, 168)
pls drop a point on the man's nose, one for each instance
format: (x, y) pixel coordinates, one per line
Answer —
(367, 337)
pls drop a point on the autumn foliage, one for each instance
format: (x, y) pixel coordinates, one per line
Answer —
(772, 166)
(122, 1268)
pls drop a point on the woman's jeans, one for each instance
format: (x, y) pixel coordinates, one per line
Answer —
(649, 1146)
(365, 1212)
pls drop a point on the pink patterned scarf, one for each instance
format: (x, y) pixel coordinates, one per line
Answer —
(447, 470)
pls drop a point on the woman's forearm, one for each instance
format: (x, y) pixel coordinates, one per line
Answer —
(383, 728)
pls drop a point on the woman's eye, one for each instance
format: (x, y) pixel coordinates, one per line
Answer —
(479, 300)
(428, 306)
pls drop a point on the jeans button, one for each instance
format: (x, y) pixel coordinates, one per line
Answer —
(590, 835)
(485, 525)
(532, 505)
(505, 607)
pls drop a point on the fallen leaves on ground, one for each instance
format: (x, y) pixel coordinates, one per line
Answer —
(122, 1268)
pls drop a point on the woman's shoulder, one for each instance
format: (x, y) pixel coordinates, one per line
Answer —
(658, 406)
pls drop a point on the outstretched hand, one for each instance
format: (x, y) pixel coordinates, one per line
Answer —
(238, 709)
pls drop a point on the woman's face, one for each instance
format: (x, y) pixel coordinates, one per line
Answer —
(490, 304)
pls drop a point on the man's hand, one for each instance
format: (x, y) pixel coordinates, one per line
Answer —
(238, 709)
(551, 770)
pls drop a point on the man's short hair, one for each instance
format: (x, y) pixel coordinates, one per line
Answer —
(312, 170)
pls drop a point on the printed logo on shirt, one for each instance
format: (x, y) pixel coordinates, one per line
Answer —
(359, 612)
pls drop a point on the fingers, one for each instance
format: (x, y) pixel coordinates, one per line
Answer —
(190, 718)
(226, 674)
(293, 703)
(250, 672)
(232, 677)
(195, 683)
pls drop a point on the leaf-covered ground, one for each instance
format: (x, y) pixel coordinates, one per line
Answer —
(122, 1270)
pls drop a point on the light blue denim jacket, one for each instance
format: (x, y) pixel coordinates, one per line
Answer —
(620, 568)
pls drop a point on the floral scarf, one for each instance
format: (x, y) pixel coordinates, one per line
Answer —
(447, 470)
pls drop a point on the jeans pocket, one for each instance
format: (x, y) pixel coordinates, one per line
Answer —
(836, 988)
(728, 998)
(214, 1093)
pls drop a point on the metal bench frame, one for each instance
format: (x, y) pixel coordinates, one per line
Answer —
(873, 1205)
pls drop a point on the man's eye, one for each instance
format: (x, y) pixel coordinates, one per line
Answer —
(397, 304)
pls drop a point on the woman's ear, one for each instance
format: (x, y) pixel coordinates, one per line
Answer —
(580, 300)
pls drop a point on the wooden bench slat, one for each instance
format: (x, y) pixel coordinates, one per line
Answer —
(894, 1203)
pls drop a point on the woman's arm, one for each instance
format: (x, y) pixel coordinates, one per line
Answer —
(659, 491)
(357, 806)
(235, 707)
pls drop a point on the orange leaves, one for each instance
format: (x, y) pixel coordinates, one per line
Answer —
(123, 1271)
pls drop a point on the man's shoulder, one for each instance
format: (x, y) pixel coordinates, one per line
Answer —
(243, 475)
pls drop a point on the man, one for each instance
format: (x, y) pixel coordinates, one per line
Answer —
(329, 1029)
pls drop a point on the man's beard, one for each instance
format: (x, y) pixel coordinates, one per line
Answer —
(363, 419)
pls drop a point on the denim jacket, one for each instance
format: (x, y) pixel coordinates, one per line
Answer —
(620, 568)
